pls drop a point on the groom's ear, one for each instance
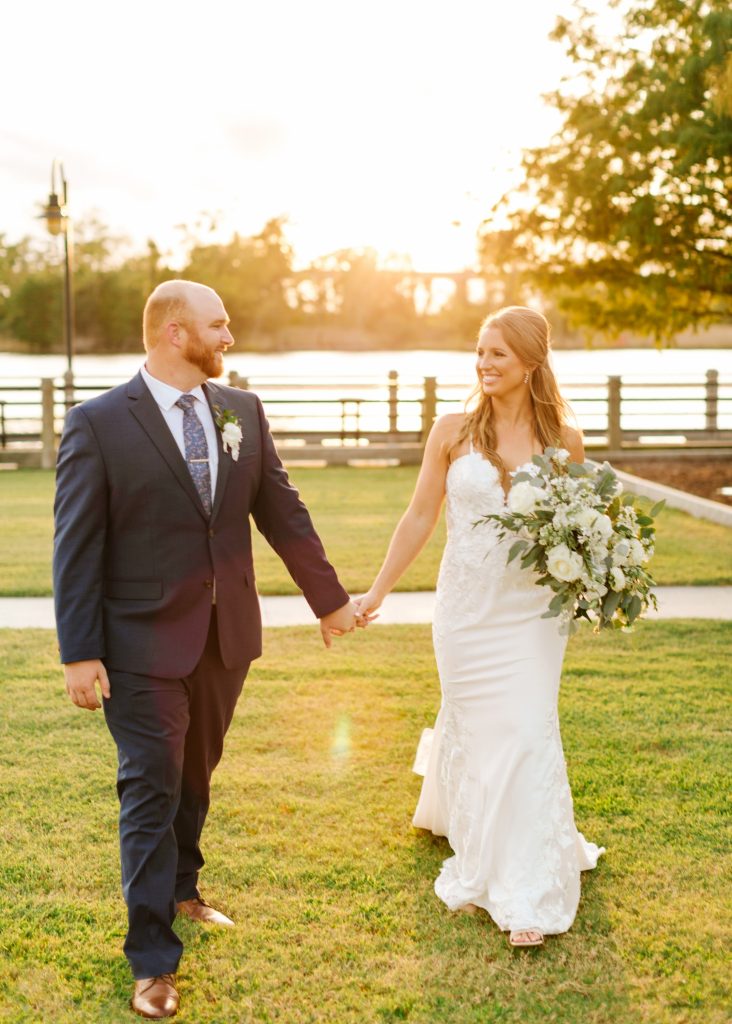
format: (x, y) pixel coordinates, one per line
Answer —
(174, 333)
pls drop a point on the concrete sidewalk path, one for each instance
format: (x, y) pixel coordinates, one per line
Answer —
(673, 602)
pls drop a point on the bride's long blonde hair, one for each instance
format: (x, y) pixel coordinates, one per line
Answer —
(527, 334)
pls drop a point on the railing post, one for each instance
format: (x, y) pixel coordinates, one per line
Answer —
(614, 398)
(48, 426)
(712, 394)
(393, 401)
(429, 406)
(68, 390)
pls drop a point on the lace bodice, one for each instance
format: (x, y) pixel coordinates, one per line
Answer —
(475, 557)
(473, 489)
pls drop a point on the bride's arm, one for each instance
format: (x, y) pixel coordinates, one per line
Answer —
(418, 522)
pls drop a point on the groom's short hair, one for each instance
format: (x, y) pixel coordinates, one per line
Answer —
(169, 301)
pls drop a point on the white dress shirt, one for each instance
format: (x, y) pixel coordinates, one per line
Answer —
(166, 396)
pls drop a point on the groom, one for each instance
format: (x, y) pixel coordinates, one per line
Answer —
(156, 602)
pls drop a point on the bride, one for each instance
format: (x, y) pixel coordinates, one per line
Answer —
(495, 781)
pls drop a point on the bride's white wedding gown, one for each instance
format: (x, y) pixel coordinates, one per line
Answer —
(495, 781)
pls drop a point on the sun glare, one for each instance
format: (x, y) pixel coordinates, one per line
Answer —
(399, 137)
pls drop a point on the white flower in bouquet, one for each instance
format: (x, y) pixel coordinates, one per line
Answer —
(584, 517)
(564, 564)
(617, 578)
(603, 526)
(584, 542)
(637, 553)
(560, 519)
(596, 589)
(524, 497)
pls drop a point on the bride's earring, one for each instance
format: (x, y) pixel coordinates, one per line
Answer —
(526, 377)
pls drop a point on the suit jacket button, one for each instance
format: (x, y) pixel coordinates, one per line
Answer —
(208, 583)
(210, 533)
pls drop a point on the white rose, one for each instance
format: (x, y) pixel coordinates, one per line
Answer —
(523, 497)
(603, 525)
(617, 577)
(564, 564)
(561, 455)
(231, 433)
(585, 517)
(636, 553)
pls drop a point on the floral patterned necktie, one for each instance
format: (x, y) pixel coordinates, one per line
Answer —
(196, 450)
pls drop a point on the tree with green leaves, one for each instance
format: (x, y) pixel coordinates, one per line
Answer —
(624, 219)
(250, 274)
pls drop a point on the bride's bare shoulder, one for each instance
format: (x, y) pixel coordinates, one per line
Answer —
(446, 431)
(448, 427)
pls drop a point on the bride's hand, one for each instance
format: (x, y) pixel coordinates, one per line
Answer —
(366, 608)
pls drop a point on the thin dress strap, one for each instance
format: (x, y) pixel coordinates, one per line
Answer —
(472, 450)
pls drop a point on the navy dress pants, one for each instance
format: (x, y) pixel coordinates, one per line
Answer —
(170, 737)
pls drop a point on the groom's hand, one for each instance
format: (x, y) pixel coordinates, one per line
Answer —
(338, 622)
(81, 680)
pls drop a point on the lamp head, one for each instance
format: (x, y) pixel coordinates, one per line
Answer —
(54, 215)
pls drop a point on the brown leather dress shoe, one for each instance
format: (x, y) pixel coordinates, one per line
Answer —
(156, 998)
(199, 910)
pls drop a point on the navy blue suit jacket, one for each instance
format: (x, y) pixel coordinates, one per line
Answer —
(135, 555)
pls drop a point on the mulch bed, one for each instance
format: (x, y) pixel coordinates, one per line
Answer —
(702, 478)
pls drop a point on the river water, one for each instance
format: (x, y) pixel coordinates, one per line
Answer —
(448, 365)
(324, 378)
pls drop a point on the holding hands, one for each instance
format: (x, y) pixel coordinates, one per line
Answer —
(343, 620)
(367, 606)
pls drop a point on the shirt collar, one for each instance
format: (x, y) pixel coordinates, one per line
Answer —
(165, 394)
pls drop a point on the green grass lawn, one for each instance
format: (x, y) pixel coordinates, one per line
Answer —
(310, 848)
(355, 511)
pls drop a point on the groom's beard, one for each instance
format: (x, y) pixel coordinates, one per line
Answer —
(209, 362)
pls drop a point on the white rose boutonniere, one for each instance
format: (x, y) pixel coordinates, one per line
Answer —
(231, 433)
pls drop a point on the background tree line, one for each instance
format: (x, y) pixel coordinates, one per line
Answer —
(344, 298)
(622, 222)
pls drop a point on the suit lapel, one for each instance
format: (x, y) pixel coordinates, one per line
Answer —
(224, 468)
(145, 410)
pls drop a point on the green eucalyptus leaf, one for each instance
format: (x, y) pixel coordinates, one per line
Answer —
(551, 614)
(519, 545)
(532, 556)
(610, 603)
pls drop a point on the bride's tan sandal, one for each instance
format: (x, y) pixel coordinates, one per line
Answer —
(526, 937)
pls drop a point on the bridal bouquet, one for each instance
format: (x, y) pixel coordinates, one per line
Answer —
(587, 541)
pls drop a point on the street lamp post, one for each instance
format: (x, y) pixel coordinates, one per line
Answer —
(58, 222)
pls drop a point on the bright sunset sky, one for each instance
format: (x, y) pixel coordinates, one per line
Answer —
(374, 123)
